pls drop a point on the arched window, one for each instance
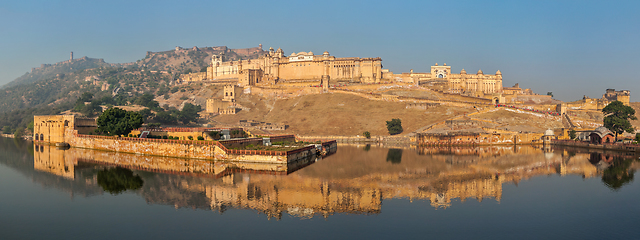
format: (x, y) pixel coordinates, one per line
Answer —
(41, 137)
(37, 137)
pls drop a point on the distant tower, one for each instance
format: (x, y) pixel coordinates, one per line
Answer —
(71, 57)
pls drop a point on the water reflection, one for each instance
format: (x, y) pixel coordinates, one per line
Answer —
(117, 180)
(356, 180)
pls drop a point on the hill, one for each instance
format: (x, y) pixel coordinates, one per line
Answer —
(49, 71)
(54, 88)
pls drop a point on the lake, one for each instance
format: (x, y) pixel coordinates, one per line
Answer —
(359, 192)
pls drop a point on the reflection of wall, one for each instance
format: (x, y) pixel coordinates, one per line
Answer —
(333, 185)
(49, 159)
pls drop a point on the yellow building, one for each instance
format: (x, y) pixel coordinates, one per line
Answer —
(276, 67)
(443, 79)
(53, 128)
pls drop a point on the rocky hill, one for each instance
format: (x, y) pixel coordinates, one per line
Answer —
(49, 71)
(54, 88)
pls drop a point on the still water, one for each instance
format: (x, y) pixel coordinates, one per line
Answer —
(359, 192)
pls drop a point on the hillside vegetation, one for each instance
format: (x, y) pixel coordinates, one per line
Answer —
(56, 88)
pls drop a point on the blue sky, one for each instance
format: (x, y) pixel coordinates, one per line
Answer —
(570, 48)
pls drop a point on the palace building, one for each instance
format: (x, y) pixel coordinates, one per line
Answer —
(275, 67)
(306, 68)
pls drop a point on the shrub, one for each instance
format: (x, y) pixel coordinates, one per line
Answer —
(572, 134)
(367, 134)
(165, 137)
(18, 133)
(200, 138)
(394, 126)
(190, 137)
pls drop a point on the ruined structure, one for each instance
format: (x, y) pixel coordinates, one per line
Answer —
(226, 104)
(587, 103)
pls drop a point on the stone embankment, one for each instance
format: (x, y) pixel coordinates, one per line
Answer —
(605, 146)
(211, 150)
(359, 139)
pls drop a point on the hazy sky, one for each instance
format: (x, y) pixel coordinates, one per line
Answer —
(570, 48)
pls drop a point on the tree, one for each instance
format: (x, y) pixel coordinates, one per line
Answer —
(147, 101)
(115, 121)
(146, 113)
(638, 137)
(394, 126)
(30, 126)
(617, 117)
(165, 118)
(367, 134)
(18, 133)
(6, 129)
(550, 94)
(85, 97)
(189, 113)
(572, 134)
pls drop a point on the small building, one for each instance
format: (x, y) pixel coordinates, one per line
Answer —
(55, 128)
(602, 135)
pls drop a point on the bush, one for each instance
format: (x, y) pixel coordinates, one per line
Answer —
(6, 129)
(572, 134)
(367, 134)
(164, 137)
(18, 133)
(200, 138)
(638, 137)
(190, 137)
(394, 126)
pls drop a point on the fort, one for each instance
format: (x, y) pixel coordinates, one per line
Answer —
(306, 68)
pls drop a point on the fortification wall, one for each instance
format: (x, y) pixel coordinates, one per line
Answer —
(497, 138)
(153, 147)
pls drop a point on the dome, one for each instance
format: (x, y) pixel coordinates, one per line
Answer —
(293, 54)
(480, 71)
(463, 71)
(549, 132)
(325, 53)
(310, 53)
(498, 72)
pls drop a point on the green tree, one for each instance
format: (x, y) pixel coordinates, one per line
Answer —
(6, 129)
(165, 118)
(394, 126)
(30, 126)
(638, 137)
(189, 113)
(115, 121)
(117, 180)
(85, 97)
(572, 134)
(617, 117)
(91, 109)
(146, 113)
(367, 134)
(147, 101)
(18, 133)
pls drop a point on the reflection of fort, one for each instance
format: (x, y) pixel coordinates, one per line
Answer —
(355, 181)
